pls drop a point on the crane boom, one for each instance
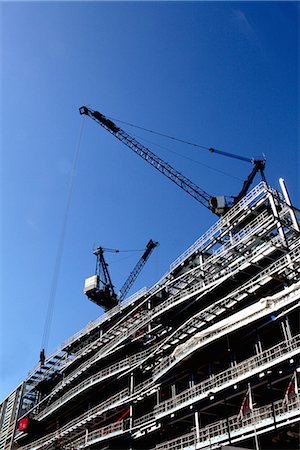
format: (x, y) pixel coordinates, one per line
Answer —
(218, 205)
(138, 267)
(187, 185)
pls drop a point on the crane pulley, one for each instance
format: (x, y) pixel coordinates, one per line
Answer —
(99, 288)
(218, 205)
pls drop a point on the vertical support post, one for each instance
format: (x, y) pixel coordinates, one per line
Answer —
(191, 380)
(272, 402)
(276, 215)
(227, 423)
(131, 391)
(255, 436)
(258, 344)
(201, 263)
(232, 360)
(286, 329)
(173, 390)
(253, 417)
(201, 260)
(210, 369)
(197, 425)
(149, 308)
(289, 203)
(157, 395)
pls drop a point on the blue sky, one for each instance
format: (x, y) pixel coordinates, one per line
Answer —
(219, 74)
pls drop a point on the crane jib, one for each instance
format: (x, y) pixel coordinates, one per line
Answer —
(218, 205)
(162, 166)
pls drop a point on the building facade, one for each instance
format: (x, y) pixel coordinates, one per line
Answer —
(207, 358)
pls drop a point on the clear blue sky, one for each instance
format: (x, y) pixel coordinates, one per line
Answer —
(219, 74)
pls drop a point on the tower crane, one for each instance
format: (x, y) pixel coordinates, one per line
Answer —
(218, 205)
(99, 288)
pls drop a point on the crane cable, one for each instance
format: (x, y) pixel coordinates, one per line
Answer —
(58, 259)
(160, 134)
(188, 158)
(193, 144)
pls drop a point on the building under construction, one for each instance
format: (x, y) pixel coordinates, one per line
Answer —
(207, 358)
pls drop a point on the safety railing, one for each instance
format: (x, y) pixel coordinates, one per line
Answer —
(80, 421)
(111, 402)
(238, 294)
(60, 360)
(57, 360)
(40, 443)
(92, 437)
(104, 317)
(262, 223)
(87, 329)
(197, 341)
(43, 407)
(108, 337)
(233, 428)
(224, 222)
(232, 375)
(209, 278)
(44, 412)
(144, 419)
(224, 260)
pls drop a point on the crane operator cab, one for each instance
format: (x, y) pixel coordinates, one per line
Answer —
(218, 205)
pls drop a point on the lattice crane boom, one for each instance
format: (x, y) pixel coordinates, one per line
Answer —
(218, 205)
(135, 272)
(182, 181)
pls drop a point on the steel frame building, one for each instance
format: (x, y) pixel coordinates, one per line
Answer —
(168, 369)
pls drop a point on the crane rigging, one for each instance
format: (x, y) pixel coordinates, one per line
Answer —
(99, 288)
(218, 205)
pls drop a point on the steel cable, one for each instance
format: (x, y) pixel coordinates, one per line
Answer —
(61, 242)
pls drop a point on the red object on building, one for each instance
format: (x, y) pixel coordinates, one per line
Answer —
(292, 389)
(247, 405)
(122, 416)
(23, 424)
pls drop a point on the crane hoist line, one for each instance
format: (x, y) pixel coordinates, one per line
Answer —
(217, 204)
